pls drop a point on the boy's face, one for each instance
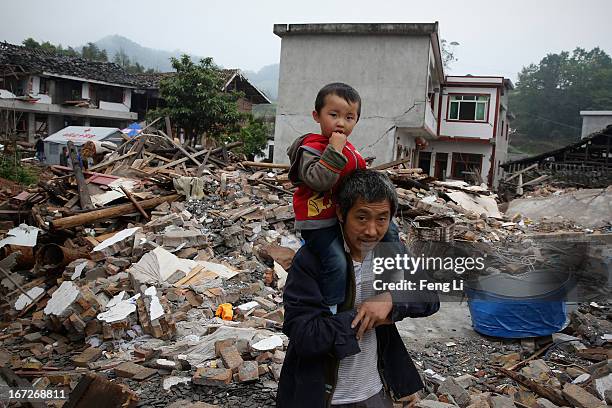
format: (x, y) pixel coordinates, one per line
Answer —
(337, 115)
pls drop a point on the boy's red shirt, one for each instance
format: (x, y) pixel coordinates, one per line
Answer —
(314, 205)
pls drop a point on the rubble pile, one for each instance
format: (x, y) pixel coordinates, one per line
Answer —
(563, 370)
(162, 267)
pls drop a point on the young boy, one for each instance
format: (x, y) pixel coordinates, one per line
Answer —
(318, 163)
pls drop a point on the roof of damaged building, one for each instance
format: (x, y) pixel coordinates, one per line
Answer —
(39, 61)
(32, 61)
(232, 79)
(558, 154)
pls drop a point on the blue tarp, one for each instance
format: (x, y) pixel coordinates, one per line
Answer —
(517, 319)
(132, 130)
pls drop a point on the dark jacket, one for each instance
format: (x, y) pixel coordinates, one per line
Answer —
(318, 340)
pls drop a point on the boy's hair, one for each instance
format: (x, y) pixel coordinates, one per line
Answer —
(344, 91)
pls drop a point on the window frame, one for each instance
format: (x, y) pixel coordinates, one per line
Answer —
(460, 158)
(487, 107)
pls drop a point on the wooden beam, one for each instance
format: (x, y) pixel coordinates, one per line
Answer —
(533, 166)
(536, 180)
(84, 197)
(168, 127)
(201, 153)
(265, 165)
(181, 148)
(106, 213)
(539, 389)
(133, 200)
(392, 164)
(111, 161)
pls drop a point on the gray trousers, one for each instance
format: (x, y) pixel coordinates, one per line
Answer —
(380, 400)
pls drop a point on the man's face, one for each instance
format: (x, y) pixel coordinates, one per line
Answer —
(365, 225)
(337, 115)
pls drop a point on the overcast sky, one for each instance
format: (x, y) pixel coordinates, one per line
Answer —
(496, 37)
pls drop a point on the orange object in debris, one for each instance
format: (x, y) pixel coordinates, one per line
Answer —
(225, 311)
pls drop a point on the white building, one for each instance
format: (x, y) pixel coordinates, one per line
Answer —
(594, 121)
(472, 133)
(394, 67)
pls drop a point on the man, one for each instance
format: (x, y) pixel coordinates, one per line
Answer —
(40, 149)
(356, 357)
(64, 157)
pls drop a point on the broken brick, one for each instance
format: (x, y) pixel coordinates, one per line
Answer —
(90, 354)
(231, 357)
(248, 371)
(212, 376)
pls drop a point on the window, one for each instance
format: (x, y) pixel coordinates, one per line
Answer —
(42, 89)
(469, 107)
(425, 161)
(466, 165)
(108, 94)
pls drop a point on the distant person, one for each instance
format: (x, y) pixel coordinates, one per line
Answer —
(64, 157)
(319, 162)
(40, 149)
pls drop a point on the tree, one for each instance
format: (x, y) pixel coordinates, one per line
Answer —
(121, 59)
(254, 135)
(195, 100)
(448, 53)
(93, 53)
(550, 95)
(31, 43)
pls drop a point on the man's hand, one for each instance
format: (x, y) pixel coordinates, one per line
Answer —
(338, 141)
(373, 312)
(410, 401)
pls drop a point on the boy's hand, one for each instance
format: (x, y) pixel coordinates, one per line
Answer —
(338, 141)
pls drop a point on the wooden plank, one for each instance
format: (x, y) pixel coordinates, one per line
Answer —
(533, 166)
(133, 200)
(94, 391)
(200, 169)
(14, 381)
(201, 153)
(84, 197)
(265, 165)
(181, 148)
(392, 164)
(536, 180)
(541, 390)
(112, 161)
(168, 127)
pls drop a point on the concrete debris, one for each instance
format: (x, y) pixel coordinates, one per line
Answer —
(23, 235)
(26, 299)
(589, 207)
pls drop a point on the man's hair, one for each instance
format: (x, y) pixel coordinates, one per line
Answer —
(344, 91)
(368, 185)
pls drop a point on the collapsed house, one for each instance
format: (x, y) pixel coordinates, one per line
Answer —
(42, 93)
(586, 163)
